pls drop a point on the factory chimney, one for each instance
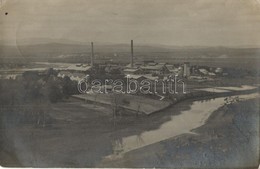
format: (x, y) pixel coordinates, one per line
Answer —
(92, 54)
(132, 53)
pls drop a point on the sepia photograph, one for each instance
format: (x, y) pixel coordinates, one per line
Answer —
(130, 84)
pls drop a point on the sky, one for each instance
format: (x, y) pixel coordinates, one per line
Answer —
(168, 22)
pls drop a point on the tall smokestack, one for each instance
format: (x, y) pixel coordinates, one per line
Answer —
(92, 54)
(132, 53)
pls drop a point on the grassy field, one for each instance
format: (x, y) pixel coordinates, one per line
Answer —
(79, 136)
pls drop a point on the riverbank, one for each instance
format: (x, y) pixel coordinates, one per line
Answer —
(229, 139)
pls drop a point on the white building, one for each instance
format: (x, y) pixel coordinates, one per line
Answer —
(186, 69)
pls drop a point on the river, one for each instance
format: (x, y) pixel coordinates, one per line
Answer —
(180, 124)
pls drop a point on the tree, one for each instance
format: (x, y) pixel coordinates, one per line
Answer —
(69, 87)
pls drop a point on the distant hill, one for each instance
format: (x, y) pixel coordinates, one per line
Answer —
(71, 51)
(54, 49)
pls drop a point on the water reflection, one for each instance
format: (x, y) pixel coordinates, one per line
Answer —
(243, 87)
(227, 89)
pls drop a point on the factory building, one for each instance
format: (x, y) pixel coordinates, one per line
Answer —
(186, 69)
